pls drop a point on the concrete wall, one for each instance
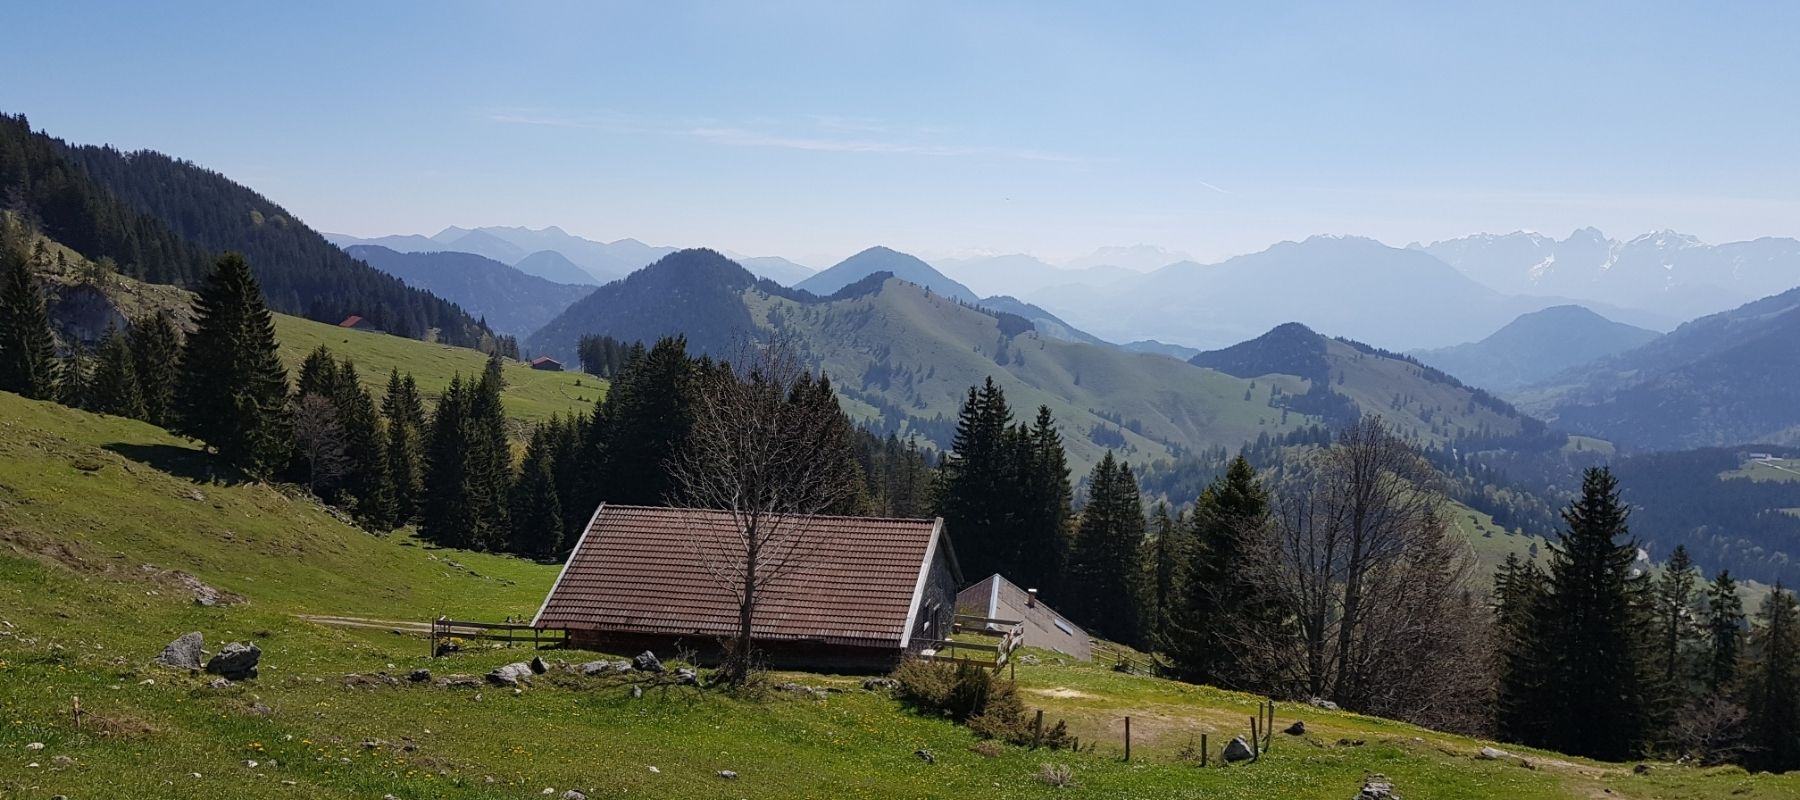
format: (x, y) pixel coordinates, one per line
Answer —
(998, 598)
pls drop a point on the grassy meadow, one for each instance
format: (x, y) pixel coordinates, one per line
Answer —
(98, 515)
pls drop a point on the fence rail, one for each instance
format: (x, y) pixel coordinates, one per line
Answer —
(444, 629)
(996, 655)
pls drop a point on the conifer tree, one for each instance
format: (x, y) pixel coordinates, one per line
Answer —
(1672, 611)
(76, 376)
(1522, 688)
(1724, 632)
(1106, 563)
(114, 387)
(232, 391)
(318, 374)
(640, 426)
(27, 348)
(1772, 690)
(1044, 504)
(405, 415)
(366, 449)
(537, 521)
(978, 483)
(1597, 670)
(1222, 599)
(490, 457)
(446, 514)
(155, 352)
(1169, 552)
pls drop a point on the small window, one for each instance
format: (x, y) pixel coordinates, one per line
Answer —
(1063, 626)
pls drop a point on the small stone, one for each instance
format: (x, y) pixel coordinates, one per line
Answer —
(35, 746)
(687, 677)
(419, 675)
(728, 774)
(218, 683)
(573, 794)
(373, 744)
(513, 674)
(62, 761)
(538, 667)
(194, 775)
(1492, 754)
(261, 710)
(925, 756)
(1320, 702)
(637, 691)
(1377, 787)
(1296, 729)
(655, 771)
(1641, 769)
(877, 684)
(251, 763)
(290, 783)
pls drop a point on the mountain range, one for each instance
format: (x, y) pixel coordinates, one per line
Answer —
(1665, 272)
(881, 259)
(509, 300)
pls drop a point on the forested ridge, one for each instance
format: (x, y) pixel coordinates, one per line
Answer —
(164, 220)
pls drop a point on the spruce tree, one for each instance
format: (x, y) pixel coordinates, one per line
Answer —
(1169, 552)
(1044, 505)
(76, 377)
(405, 414)
(1589, 623)
(28, 364)
(490, 458)
(155, 352)
(232, 391)
(978, 483)
(1772, 690)
(1672, 596)
(1522, 711)
(366, 448)
(1106, 562)
(114, 388)
(537, 519)
(1222, 599)
(1724, 632)
(639, 426)
(445, 515)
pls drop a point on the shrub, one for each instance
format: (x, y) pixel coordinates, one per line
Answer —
(970, 694)
(1057, 775)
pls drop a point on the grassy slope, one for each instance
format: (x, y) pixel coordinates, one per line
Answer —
(86, 500)
(949, 349)
(1431, 412)
(530, 396)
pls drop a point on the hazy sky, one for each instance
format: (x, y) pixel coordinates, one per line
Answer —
(815, 129)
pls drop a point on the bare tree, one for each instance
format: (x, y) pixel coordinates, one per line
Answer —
(769, 447)
(1360, 549)
(321, 440)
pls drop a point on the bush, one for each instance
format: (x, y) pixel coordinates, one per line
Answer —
(968, 693)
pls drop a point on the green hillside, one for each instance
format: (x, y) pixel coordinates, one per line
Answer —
(898, 351)
(95, 512)
(530, 395)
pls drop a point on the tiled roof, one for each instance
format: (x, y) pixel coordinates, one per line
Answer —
(639, 569)
(351, 321)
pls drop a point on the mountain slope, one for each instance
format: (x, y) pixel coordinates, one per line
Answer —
(509, 300)
(556, 268)
(1346, 286)
(1729, 378)
(1046, 323)
(776, 268)
(1664, 271)
(1020, 274)
(1536, 346)
(605, 261)
(1341, 379)
(164, 220)
(882, 259)
(904, 358)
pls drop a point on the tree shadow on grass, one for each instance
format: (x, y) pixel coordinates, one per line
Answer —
(181, 462)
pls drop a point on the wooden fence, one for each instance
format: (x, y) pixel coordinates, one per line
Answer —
(444, 630)
(1008, 632)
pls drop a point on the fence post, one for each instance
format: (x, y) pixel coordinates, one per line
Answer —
(1127, 739)
(1255, 737)
(1205, 750)
(1037, 730)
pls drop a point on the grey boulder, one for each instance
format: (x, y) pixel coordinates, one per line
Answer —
(236, 661)
(1237, 750)
(647, 662)
(183, 653)
(515, 674)
(1377, 788)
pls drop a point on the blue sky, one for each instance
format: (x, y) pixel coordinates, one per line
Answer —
(814, 129)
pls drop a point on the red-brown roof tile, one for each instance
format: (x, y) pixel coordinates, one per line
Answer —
(640, 569)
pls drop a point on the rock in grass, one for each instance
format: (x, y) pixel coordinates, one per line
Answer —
(537, 665)
(236, 661)
(687, 677)
(1377, 788)
(647, 662)
(1296, 729)
(1238, 750)
(879, 684)
(728, 774)
(593, 668)
(925, 756)
(574, 794)
(183, 653)
(419, 675)
(1492, 754)
(515, 674)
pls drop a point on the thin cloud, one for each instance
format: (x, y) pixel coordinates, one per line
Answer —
(824, 134)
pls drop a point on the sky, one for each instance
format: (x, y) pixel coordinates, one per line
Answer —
(813, 130)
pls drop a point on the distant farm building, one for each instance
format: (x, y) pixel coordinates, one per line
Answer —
(868, 592)
(356, 323)
(546, 363)
(1000, 599)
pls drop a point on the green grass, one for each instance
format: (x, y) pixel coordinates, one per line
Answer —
(87, 501)
(531, 395)
(1489, 542)
(1781, 470)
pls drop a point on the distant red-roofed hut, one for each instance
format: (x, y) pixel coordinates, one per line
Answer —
(546, 363)
(872, 591)
(356, 323)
